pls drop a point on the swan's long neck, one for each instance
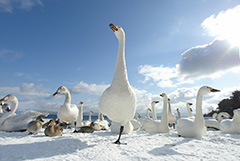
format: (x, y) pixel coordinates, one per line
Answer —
(67, 98)
(199, 114)
(1, 111)
(120, 75)
(80, 112)
(189, 111)
(164, 119)
(89, 117)
(179, 114)
(154, 116)
(101, 117)
(14, 105)
(169, 107)
(147, 114)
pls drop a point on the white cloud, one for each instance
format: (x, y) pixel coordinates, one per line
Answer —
(10, 5)
(32, 89)
(82, 87)
(206, 60)
(162, 75)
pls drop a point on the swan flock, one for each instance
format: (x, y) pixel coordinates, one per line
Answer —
(118, 102)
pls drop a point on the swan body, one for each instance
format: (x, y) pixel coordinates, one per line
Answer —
(231, 126)
(35, 126)
(159, 126)
(53, 129)
(67, 112)
(171, 116)
(11, 121)
(118, 102)
(101, 123)
(143, 120)
(80, 122)
(188, 127)
(136, 123)
(89, 121)
(214, 124)
(115, 128)
(86, 129)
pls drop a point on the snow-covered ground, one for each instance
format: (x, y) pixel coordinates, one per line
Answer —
(98, 146)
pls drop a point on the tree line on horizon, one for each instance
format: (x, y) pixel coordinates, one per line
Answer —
(227, 105)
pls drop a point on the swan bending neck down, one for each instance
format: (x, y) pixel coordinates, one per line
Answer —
(118, 102)
(188, 127)
(67, 112)
(16, 122)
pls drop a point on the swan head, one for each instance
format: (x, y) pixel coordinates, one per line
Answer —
(6, 107)
(52, 122)
(118, 31)
(91, 112)
(206, 89)
(163, 95)
(154, 102)
(39, 118)
(60, 90)
(189, 104)
(81, 103)
(149, 109)
(9, 98)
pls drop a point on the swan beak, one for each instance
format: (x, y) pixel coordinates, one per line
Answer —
(1, 103)
(156, 101)
(162, 95)
(56, 93)
(214, 90)
(190, 104)
(114, 28)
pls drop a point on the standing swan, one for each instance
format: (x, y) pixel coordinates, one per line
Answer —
(11, 121)
(118, 102)
(188, 127)
(67, 112)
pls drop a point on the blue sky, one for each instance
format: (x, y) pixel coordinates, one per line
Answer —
(171, 46)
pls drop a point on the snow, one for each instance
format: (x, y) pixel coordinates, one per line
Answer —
(98, 146)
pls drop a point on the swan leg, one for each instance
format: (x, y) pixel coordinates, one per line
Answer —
(118, 140)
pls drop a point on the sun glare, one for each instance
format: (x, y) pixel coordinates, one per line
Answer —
(225, 25)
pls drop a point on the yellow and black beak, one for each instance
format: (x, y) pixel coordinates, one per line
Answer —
(114, 28)
(214, 90)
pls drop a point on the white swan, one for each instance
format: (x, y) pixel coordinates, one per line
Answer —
(189, 109)
(115, 128)
(35, 126)
(231, 126)
(146, 118)
(223, 114)
(89, 121)
(101, 123)
(159, 126)
(79, 122)
(179, 113)
(67, 112)
(214, 124)
(188, 127)
(118, 102)
(136, 123)
(171, 116)
(16, 122)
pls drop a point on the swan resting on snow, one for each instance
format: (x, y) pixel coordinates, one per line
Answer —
(11, 121)
(118, 102)
(53, 129)
(146, 118)
(67, 112)
(231, 126)
(158, 126)
(214, 124)
(35, 126)
(188, 127)
(101, 123)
